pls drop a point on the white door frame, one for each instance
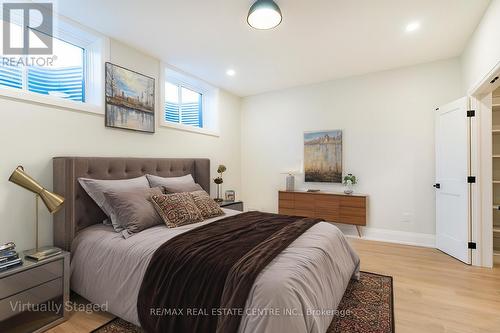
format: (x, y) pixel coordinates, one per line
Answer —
(475, 190)
(481, 163)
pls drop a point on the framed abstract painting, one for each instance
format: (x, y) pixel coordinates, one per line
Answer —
(323, 156)
(130, 99)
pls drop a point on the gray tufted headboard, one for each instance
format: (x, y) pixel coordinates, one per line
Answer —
(80, 211)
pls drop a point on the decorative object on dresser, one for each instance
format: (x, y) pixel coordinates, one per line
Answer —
(289, 181)
(34, 296)
(323, 156)
(230, 195)
(218, 181)
(332, 207)
(234, 205)
(52, 201)
(130, 99)
(349, 182)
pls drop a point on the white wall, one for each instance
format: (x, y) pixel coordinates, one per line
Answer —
(482, 52)
(32, 134)
(388, 124)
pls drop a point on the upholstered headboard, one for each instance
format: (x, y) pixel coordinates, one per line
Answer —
(80, 211)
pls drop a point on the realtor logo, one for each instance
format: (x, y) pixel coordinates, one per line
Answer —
(36, 23)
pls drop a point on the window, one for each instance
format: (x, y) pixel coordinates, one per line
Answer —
(73, 73)
(183, 105)
(190, 104)
(64, 79)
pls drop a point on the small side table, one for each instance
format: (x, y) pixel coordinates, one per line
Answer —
(42, 284)
(234, 205)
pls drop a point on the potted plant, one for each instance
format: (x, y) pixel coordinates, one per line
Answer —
(349, 182)
(218, 181)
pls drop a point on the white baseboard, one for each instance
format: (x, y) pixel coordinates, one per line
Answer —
(390, 236)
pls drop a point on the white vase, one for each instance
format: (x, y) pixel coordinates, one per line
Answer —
(348, 188)
(290, 183)
(219, 193)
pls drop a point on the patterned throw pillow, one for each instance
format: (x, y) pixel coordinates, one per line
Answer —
(207, 206)
(177, 209)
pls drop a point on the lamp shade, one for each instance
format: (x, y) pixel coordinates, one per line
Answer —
(264, 14)
(52, 201)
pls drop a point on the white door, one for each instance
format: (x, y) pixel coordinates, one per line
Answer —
(452, 187)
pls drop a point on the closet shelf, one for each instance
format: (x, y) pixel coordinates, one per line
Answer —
(496, 230)
(496, 182)
(496, 252)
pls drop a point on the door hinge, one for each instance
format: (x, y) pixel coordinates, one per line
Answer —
(471, 245)
(494, 80)
(471, 179)
(471, 113)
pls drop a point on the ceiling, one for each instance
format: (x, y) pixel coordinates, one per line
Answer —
(318, 40)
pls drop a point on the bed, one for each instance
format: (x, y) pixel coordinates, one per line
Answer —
(304, 280)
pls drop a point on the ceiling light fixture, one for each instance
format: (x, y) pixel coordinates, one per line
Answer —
(264, 14)
(413, 26)
(230, 72)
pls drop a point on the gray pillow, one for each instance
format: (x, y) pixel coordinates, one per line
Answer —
(174, 184)
(96, 188)
(178, 188)
(134, 210)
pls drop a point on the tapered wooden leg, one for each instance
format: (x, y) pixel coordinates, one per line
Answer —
(359, 231)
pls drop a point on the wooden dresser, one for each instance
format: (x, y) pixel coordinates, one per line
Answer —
(332, 207)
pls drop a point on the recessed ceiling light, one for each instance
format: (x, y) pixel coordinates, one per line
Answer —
(231, 72)
(264, 14)
(413, 26)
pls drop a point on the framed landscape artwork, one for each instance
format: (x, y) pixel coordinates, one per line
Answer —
(323, 156)
(130, 99)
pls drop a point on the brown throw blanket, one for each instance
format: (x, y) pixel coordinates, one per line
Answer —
(199, 281)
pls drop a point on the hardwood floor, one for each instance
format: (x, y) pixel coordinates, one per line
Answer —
(433, 292)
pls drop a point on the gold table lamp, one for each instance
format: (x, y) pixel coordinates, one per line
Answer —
(52, 201)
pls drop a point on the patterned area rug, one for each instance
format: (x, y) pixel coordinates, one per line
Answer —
(367, 307)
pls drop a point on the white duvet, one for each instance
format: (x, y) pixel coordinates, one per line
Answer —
(298, 291)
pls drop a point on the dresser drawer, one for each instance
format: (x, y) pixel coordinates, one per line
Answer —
(304, 213)
(328, 216)
(353, 202)
(327, 203)
(37, 295)
(304, 201)
(286, 195)
(287, 211)
(286, 204)
(356, 220)
(353, 211)
(29, 278)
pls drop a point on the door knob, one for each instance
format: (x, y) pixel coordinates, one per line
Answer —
(437, 185)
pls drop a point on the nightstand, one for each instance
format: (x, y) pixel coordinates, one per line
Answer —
(234, 205)
(44, 285)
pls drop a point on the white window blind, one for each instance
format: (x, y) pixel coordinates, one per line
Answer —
(63, 78)
(183, 105)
